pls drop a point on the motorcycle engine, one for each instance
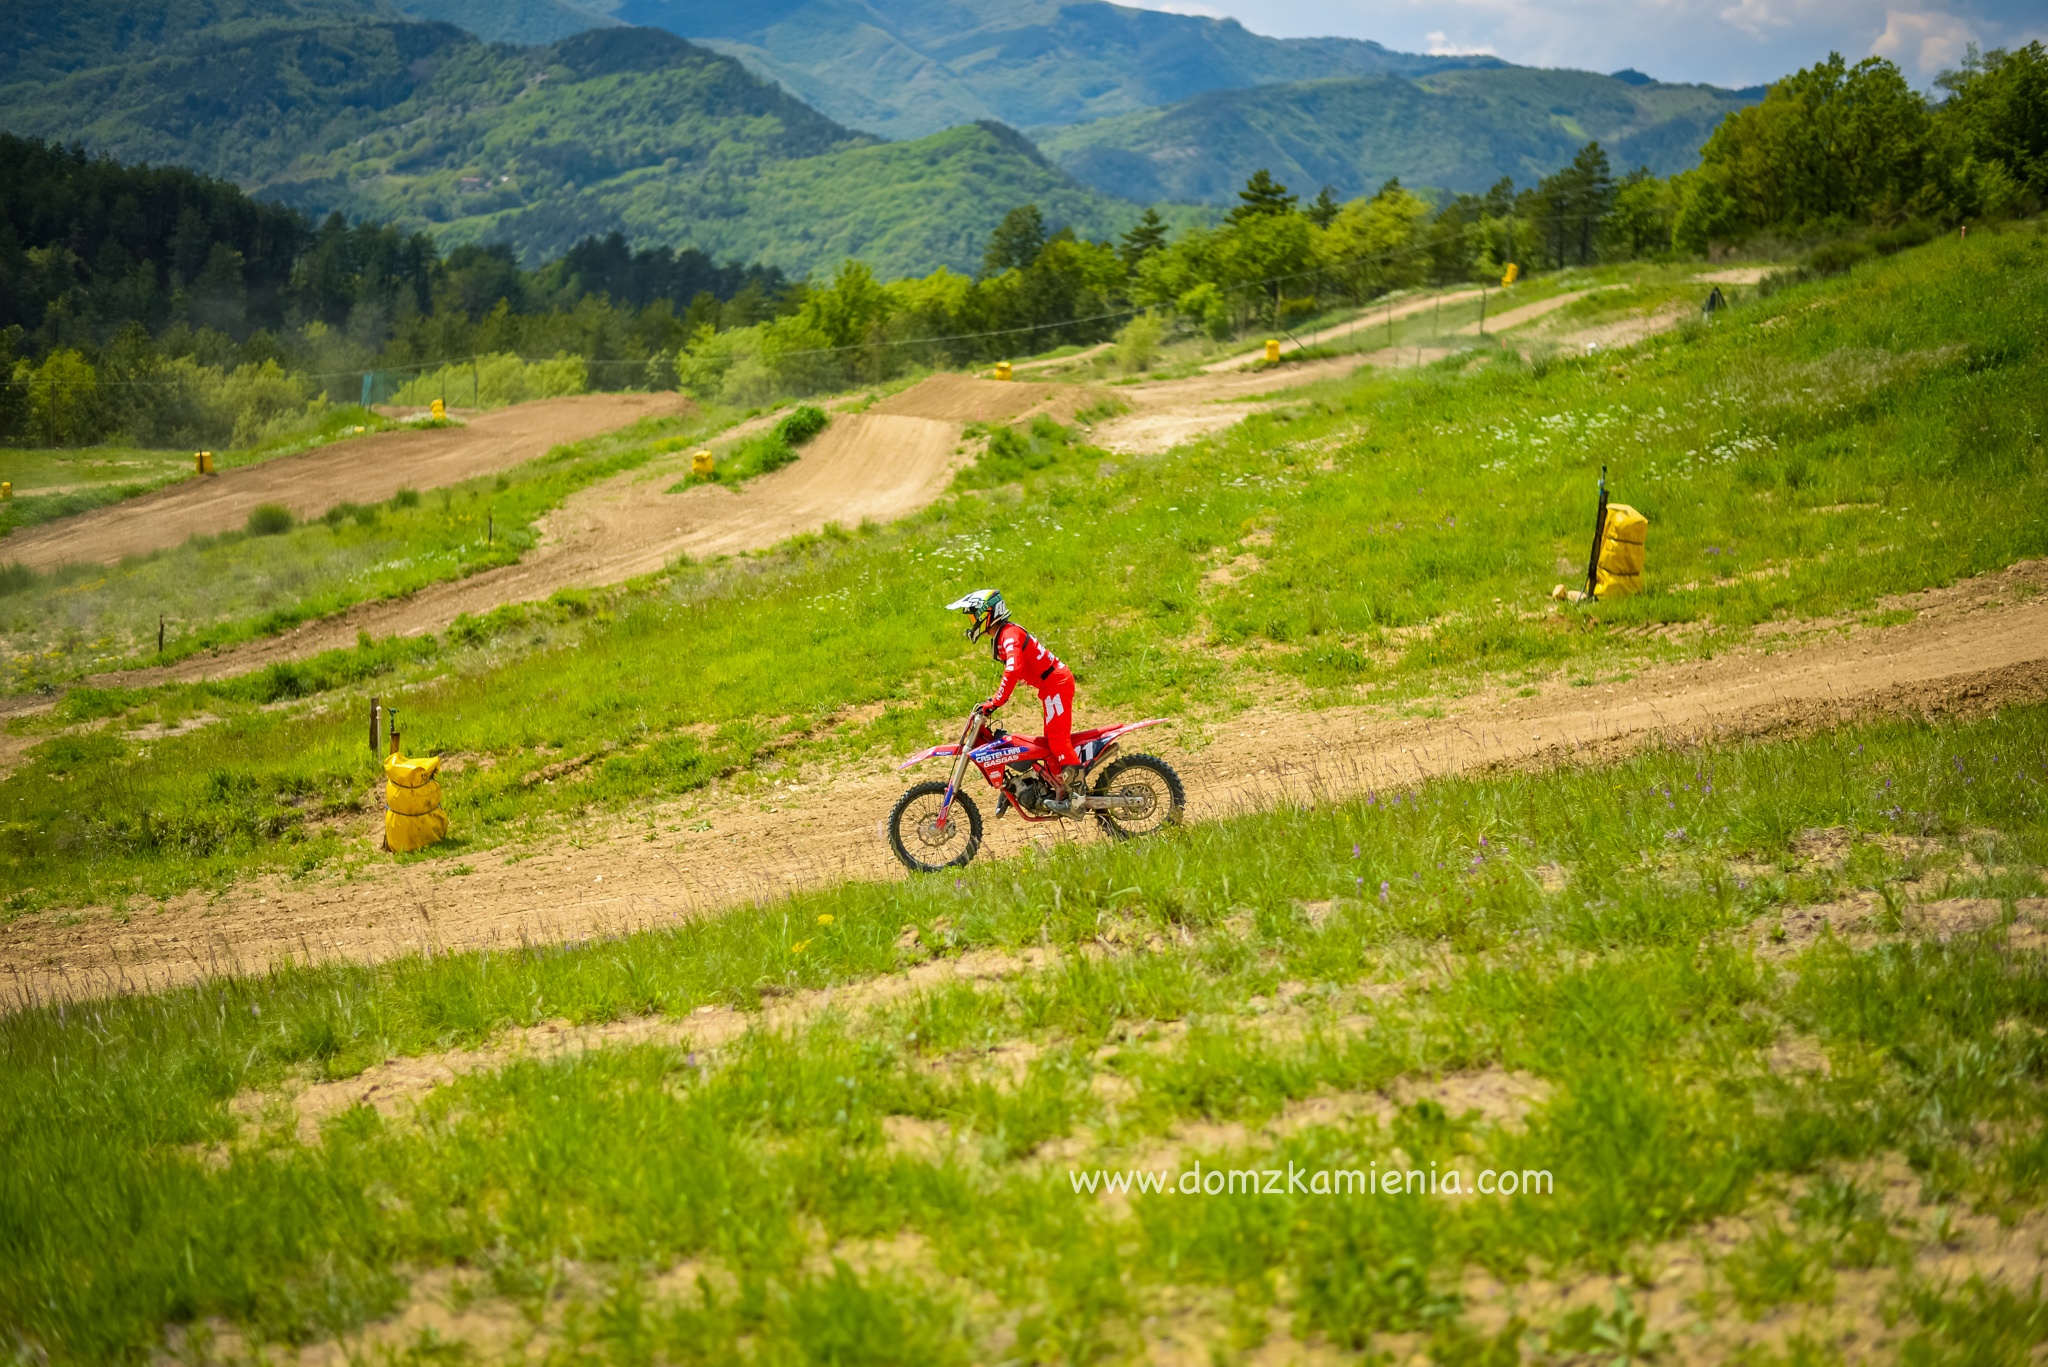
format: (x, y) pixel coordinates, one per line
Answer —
(1029, 791)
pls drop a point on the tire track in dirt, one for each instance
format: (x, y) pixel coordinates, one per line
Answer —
(367, 469)
(1972, 648)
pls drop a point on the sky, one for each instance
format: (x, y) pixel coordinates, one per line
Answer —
(1724, 42)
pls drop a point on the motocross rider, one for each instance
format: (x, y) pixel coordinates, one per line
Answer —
(1024, 658)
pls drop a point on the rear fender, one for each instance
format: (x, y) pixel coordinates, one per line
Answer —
(1116, 733)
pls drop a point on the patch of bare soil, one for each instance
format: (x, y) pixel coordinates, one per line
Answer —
(394, 1086)
(1733, 275)
(1623, 332)
(1167, 413)
(1681, 1288)
(1951, 663)
(365, 469)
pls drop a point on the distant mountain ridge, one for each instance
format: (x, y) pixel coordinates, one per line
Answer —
(611, 129)
(1453, 130)
(908, 69)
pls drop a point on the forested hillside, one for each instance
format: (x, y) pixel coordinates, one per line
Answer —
(1458, 130)
(168, 307)
(908, 70)
(425, 127)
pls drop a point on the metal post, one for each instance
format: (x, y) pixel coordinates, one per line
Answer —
(159, 633)
(1482, 308)
(374, 710)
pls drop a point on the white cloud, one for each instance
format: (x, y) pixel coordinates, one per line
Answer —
(1923, 44)
(1440, 45)
(1726, 42)
(1754, 18)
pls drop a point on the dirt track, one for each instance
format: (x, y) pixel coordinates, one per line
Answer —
(882, 464)
(365, 469)
(1367, 319)
(1970, 649)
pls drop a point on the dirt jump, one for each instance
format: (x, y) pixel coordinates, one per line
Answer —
(366, 469)
(1977, 646)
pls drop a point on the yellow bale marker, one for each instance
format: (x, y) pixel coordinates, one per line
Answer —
(1272, 348)
(702, 463)
(1510, 275)
(440, 410)
(6, 489)
(1621, 553)
(202, 462)
(413, 818)
(1002, 370)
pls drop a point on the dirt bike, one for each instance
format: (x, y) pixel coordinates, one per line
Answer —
(1132, 795)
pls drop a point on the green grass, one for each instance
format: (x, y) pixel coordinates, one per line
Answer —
(564, 1190)
(1396, 538)
(214, 591)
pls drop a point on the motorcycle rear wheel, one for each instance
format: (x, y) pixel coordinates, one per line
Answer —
(1141, 776)
(916, 839)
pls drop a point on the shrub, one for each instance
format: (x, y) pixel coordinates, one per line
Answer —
(800, 424)
(406, 498)
(269, 519)
(1894, 240)
(1834, 258)
(1137, 343)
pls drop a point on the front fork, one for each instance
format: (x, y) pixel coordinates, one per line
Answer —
(960, 761)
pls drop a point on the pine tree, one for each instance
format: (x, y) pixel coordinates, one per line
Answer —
(1323, 211)
(1016, 242)
(1262, 195)
(1140, 242)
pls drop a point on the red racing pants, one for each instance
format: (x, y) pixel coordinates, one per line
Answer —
(1058, 703)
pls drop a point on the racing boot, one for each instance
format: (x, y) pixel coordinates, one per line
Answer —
(1073, 785)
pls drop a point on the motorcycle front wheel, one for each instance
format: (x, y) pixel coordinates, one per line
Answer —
(918, 840)
(1150, 780)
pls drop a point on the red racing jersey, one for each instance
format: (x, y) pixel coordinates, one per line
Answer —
(1026, 660)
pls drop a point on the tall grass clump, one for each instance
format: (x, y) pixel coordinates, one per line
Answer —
(270, 519)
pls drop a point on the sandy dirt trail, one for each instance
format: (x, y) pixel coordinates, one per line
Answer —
(1527, 313)
(882, 464)
(1366, 320)
(1165, 413)
(1976, 646)
(367, 469)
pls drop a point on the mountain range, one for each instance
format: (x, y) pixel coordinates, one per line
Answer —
(764, 132)
(1452, 130)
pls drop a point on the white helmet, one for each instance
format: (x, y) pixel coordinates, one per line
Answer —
(985, 609)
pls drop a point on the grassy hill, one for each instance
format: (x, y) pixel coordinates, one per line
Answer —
(908, 70)
(613, 128)
(1461, 130)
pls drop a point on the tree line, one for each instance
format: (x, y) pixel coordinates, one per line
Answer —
(169, 308)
